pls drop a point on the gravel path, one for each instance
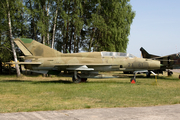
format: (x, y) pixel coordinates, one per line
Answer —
(168, 112)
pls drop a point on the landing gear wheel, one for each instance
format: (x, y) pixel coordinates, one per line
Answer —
(170, 73)
(148, 74)
(83, 79)
(133, 80)
(78, 80)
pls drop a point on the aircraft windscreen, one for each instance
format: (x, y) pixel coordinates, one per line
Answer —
(116, 54)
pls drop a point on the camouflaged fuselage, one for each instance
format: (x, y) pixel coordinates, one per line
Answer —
(51, 59)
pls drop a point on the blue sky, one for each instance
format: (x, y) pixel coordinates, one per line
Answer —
(156, 27)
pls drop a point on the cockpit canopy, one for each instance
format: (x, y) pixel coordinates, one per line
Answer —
(116, 54)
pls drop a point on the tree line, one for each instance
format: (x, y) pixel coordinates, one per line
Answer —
(67, 25)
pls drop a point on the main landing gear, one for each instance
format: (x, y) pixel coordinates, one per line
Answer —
(77, 78)
(148, 74)
(133, 80)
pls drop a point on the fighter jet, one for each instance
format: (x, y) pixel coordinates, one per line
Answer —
(43, 59)
(168, 62)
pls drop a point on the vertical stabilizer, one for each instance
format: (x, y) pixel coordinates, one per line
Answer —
(32, 47)
(22, 47)
(145, 54)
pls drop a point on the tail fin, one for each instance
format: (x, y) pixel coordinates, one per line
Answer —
(145, 54)
(33, 48)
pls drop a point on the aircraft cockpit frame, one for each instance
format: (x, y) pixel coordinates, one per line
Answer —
(116, 54)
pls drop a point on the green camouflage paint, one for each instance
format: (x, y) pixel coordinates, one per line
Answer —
(25, 40)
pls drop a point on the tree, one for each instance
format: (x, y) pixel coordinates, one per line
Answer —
(112, 22)
(74, 25)
(33, 18)
(11, 39)
(54, 26)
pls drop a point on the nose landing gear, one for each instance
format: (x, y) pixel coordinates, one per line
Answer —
(133, 80)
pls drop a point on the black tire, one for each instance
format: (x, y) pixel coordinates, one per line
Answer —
(148, 74)
(170, 73)
(133, 79)
(83, 79)
(125, 72)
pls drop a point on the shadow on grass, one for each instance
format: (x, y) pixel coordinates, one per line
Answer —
(112, 82)
(132, 76)
(169, 78)
(151, 77)
(56, 81)
(99, 81)
(39, 82)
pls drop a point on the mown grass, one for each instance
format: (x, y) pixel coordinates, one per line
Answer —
(41, 94)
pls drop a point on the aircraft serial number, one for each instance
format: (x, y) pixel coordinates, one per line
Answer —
(133, 64)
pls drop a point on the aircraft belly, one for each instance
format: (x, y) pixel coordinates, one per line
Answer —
(44, 68)
(105, 68)
(102, 68)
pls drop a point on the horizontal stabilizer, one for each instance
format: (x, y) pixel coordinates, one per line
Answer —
(40, 71)
(65, 65)
(25, 63)
(21, 57)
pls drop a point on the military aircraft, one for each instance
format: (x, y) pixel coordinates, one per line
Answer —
(168, 61)
(43, 59)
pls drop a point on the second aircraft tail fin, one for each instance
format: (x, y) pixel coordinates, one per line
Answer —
(145, 54)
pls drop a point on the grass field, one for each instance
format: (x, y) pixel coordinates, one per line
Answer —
(59, 93)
